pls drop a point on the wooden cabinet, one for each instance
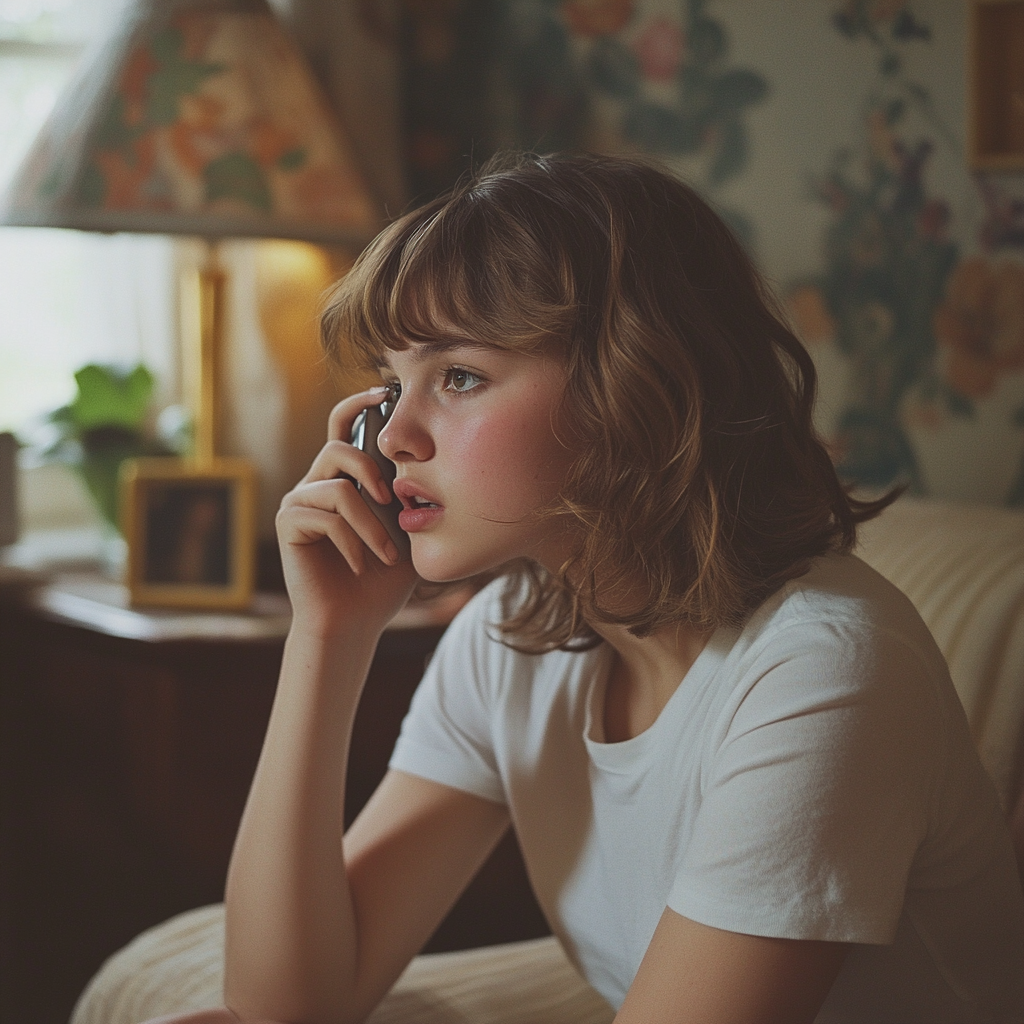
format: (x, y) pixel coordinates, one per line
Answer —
(127, 746)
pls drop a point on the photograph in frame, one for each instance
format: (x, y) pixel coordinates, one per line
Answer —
(190, 529)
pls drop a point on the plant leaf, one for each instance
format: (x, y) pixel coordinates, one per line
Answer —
(614, 69)
(661, 130)
(707, 41)
(732, 152)
(959, 405)
(109, 396)
(739, 88)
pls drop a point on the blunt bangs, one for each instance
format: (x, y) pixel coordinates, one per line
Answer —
(459, 269)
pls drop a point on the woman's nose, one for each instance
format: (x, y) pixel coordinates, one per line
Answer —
(404, 438)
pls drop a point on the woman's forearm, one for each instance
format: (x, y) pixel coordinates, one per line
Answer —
(291, 930)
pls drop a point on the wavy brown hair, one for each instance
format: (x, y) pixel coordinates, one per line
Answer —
(700, 485)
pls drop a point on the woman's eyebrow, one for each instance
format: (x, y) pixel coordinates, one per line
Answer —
(422, 350)
(426, 349)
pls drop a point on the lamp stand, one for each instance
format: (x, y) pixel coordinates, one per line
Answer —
(202, 331)
(190, 523)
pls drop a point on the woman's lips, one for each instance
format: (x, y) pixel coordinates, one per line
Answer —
(412, 520)
(420, 509)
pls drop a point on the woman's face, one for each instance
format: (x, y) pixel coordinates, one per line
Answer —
(474, 439)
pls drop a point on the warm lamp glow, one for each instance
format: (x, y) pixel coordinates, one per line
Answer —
(291, 281)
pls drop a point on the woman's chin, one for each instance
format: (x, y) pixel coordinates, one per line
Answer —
(432, 570)
(435, 566)
(435, 575)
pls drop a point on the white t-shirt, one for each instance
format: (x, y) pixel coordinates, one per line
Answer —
(812, 777)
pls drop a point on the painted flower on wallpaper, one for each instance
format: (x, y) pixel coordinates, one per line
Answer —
(561, 58)
(887, 261)
(873, 17)
(660, 49)
(811, 315)
(933, 221)
(925, 334)
(1003, 227)
(980, 324)
(597, 17)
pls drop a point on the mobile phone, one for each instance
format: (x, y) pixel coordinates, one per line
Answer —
(367, 426)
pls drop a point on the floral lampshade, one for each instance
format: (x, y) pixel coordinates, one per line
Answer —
(199, 117)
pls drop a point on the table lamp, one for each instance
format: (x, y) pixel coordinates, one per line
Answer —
(197, 117)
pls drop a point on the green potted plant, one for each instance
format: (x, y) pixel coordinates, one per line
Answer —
(107, 422)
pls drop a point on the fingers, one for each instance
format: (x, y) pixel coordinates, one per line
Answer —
(340, 459)
(343, 415)
(326, 503)
(334, 509)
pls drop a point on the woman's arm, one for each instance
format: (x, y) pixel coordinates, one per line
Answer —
(319, 930)
(316, 931)
(695, 974)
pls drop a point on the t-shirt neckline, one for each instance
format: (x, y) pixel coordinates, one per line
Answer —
(632, 755)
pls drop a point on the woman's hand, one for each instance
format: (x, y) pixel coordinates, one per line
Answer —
(340, 565)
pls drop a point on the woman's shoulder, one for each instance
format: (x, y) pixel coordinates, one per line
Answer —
(842, 592)
(845, 622)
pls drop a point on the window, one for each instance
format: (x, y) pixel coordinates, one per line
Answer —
(67, 297)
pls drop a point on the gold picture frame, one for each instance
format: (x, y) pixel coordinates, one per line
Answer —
(996, 85)
(191, 532)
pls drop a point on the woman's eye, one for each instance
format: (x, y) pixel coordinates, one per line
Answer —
(460, 380)
(394, 390)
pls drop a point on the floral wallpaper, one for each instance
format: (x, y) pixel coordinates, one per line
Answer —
(574, 74)
(629, 75)
(667, 73)
(927, 325)
(831, 135)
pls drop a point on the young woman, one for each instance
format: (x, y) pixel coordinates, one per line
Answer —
(739, 773)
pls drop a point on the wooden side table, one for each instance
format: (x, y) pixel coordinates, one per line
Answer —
(128, 743)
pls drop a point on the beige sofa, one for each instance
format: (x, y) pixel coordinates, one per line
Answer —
(964, 569)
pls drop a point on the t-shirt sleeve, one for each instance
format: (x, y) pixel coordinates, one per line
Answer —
(815, 791)
(446, 735)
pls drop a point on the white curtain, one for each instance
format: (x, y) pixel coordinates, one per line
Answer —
(129, 300)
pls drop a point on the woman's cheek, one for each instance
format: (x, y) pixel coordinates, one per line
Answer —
(506, 459)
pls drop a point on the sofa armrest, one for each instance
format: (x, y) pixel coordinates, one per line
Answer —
(963, 567)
